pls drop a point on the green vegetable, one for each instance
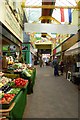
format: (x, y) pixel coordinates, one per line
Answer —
(26, 73)
(14, 91)
(11, 83)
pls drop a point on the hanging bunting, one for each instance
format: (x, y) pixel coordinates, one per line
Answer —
(62, 14)
(70, 15)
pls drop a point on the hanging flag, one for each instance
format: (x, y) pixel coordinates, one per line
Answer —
(62, 14)
(70, 15)
(66, 16)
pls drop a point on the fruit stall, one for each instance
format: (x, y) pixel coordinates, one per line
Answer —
(13, 94)
(15, 84)
(24, 71)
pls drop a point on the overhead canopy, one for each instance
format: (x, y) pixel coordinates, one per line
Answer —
(75, 49)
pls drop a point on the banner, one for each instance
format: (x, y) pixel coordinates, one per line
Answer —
(70, 15)
(62, 14)
(50, 28)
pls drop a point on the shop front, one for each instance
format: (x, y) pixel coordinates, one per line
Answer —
(58, 52)
(69, 59)
(74, 52)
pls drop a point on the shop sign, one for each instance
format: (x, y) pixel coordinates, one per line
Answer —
(10, 36)
(49, 28)
(12, 23)
(58, 49)
(58, 54)
(71, 41)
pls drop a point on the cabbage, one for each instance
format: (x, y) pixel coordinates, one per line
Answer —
(26, 73)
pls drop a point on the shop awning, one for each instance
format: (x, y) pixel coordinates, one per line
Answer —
(75, 49)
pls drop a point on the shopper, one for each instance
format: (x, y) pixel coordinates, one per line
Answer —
(61, 64)
(55, 65)
(21, 60)
(4, 62)
(0, 61)
(41, 62)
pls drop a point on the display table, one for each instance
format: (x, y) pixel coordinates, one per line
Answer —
(20, 103)
(34, 76)
(76, 74)
(76, 77)
(31, 80)
(17, 108)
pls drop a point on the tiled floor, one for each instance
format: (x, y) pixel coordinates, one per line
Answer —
(53, 97)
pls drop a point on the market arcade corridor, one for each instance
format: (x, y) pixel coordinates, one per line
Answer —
(53, 97)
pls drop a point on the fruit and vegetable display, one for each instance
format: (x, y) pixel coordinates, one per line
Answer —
(29, 66)
(24, 66)
(18, 70)
(7, 98)
(1, 73)
(14, 91)
(20, 82)
(1, 85)
(29, 71)
(4, 80)
(8, 93)
(1, 94)
(26, 73)
(11, 75)
(17, 65)
(5, 88)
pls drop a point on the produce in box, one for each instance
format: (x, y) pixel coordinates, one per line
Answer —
(30, 71)
(26, 73)
(4, 80)
(5, 88)
(14, 91)
(1, 85)
(20, 82)
(7, 98)
(17, 65)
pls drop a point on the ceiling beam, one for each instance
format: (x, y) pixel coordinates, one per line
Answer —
(77, 1)
(49, 18)
(50, 7)
(23, 2)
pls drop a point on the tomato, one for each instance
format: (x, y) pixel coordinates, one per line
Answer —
(18, 84)
(23, 84)
(9, 99)
(12, 94)
(3, 100)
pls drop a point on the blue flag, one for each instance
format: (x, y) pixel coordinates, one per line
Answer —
(70, 15)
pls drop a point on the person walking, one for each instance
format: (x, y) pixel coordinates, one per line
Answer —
(41, 62)
(55, 65)
(61, 64)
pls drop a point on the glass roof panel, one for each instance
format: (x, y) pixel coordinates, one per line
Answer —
(33, 14)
